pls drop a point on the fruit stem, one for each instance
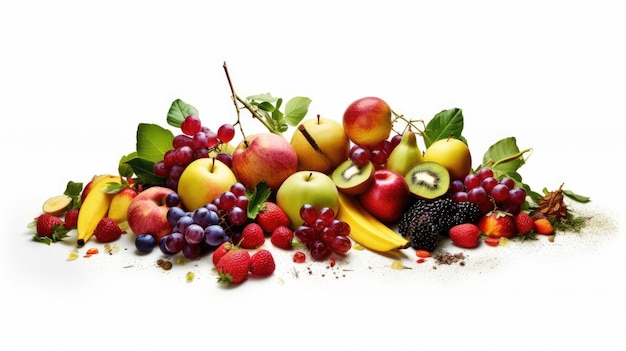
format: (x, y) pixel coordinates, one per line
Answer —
(235, 98)
(512, 157)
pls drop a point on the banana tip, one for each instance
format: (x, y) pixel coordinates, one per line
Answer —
(80, 243)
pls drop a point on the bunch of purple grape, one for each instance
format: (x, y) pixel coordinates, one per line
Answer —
(322, 233)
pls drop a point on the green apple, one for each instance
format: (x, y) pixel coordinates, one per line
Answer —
(306, 187)
(367, 121)
(321, 144)
(451, 153)
(202, 181)
(264, 157)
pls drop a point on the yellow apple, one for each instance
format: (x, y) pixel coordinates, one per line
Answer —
(306, 187)
(451, 153)
(202, 181)
(321, 144)
(118, 209)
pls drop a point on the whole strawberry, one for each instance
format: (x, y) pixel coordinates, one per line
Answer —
(47, 224)
(282, 237)
(221, 251)
(233, 267)
(524, 223)
(272, 217)
(466, 235)
(262, 263)
(71, 218)
(107, 230)
(252, 236)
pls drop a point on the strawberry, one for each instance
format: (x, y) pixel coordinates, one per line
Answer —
(282, 237)
(252, 236)
(71, 218)
(491, 241)
(107, 230)
(221, 251)
(47, 224)
(497, 224)
(524, 223)
(272, 217)
(262, 263)
(465, 235)
(233, 267)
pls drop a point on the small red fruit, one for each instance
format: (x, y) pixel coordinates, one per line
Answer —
(262, 263)
(282, 237)
(107, 230)
(272, 217)
(233, 267)
(492, 241)
(71, 219)
(543, 226)
(299, 257)
(252, 236)
(465, 235)
(221, 251)
(47, 224)
(524, 223)
(497, 224)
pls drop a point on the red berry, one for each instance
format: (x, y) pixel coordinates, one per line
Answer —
(107, 230)
(252, 236)
(272, 217)
(465, 235)
(262, 263)
(71, 218)
(299, 257)
(233, 267)
(282, 237)
(524, 223)
(47, 224)
(221, 251)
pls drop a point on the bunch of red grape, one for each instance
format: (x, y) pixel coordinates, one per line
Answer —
(322, 233)
(377, 154)
(196, 141)
(197, 232)
(489, 193)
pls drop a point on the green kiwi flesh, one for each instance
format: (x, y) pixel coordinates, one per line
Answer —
(352, 179)
(428, 180)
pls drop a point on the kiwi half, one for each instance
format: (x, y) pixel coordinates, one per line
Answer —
(428, 180)
(352, 179)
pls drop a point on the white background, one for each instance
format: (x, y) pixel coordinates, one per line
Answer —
(77, 78)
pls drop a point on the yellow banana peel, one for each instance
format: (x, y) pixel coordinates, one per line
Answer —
(94, 208)
(366, 229)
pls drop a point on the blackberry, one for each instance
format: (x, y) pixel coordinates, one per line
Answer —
(425, 220)
(468, 212)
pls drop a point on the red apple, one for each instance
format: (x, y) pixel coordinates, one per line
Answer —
(147, 213)
(367, 121)
(388, 196)
(264, 157)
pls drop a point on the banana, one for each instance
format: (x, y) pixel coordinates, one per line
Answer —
(94, 208)
(366, 229)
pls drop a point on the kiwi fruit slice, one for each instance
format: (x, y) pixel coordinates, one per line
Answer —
(428, 180)
(352, 179)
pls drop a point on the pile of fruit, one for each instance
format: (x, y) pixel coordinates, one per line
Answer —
(362, 181)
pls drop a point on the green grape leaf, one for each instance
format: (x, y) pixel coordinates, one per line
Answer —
(153, 141)
(179, 110)
(443, 125)
(144, 170)
(579, 198)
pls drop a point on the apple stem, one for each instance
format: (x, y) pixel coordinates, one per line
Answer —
(213, 165)
(318, 118)
(309, 177)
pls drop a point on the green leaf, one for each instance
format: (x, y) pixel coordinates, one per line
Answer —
(144, 169)
(153, 141)
(267, 97)
(179, 110)
(576, 197)
(295, 109)
(257, 199)
(443, 125)
(504, 155)
(74, 190)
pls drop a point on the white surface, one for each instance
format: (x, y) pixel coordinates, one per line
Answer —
(76, 79)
